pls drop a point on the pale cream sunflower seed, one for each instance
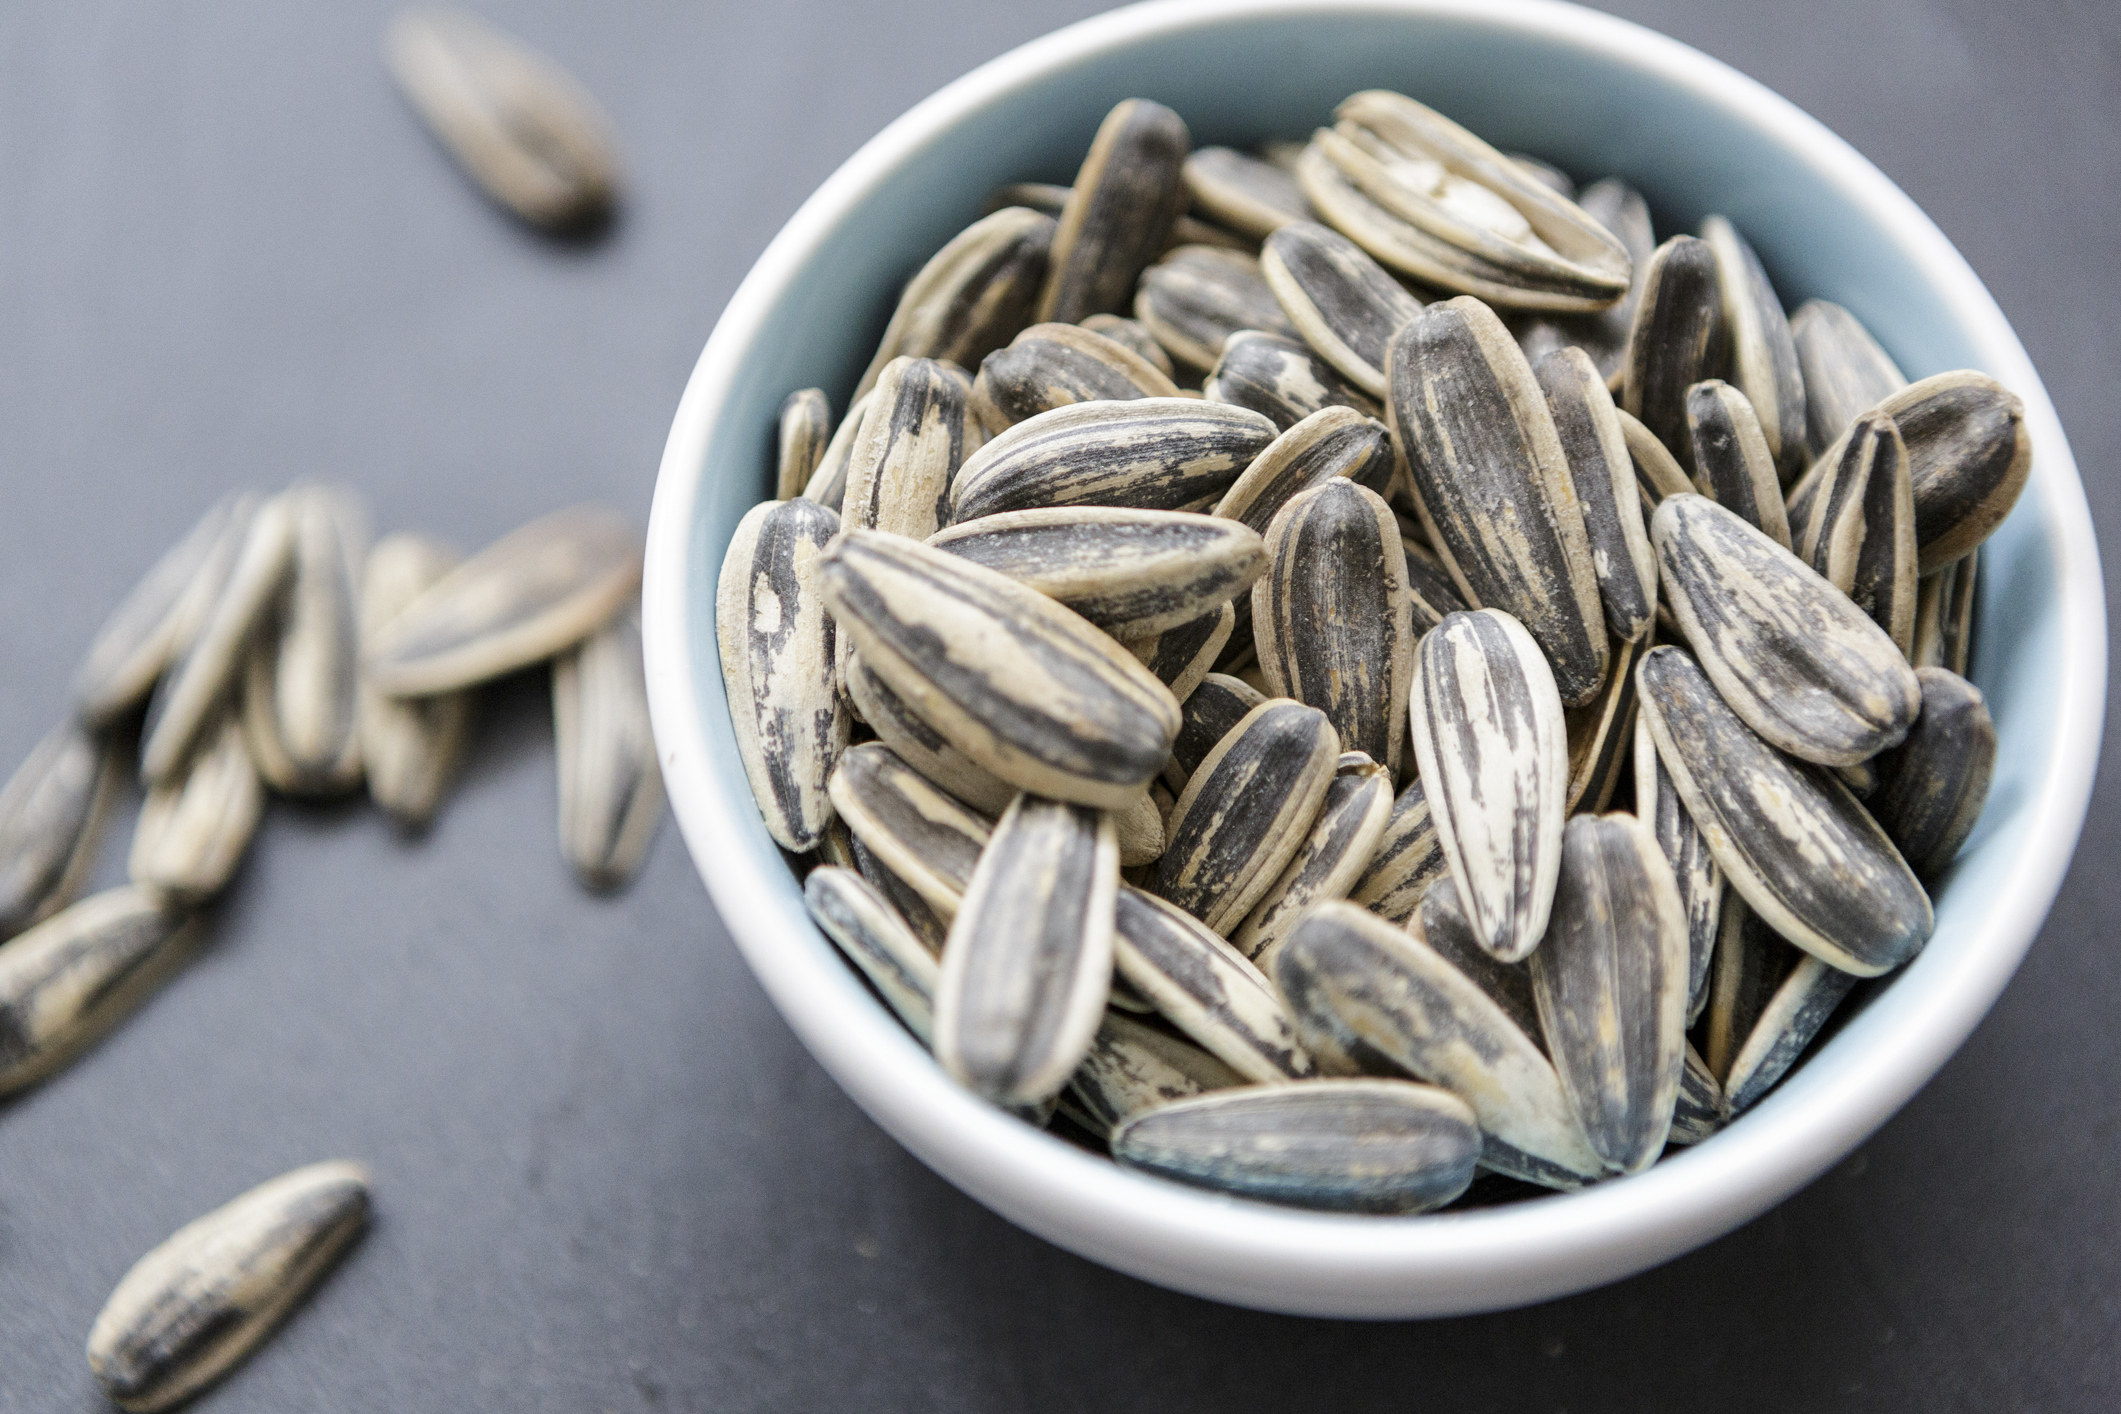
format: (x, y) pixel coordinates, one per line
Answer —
(611, 787)
(1334, 441)
(302, 678)
(921, 746)
(927, 837)
(912, 441)
(805, 430)
(52, 814)
(410, 746)
(195, 826)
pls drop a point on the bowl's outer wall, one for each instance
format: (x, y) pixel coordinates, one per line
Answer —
(1596, 96)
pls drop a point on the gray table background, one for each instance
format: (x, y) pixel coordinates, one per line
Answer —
(608, 1177)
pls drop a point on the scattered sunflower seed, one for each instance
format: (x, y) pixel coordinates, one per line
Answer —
(611, 788)
(1119, 215)
(1932, 786)
(972, 295)
(410, 745)
(52, 814)
(303, 676)
(194, 827)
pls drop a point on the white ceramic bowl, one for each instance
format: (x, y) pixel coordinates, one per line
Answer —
(1596, 95)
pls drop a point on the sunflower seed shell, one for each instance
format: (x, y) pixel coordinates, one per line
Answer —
(1408, 859)
(1678, 340)
(410, 746)
(1350, 821)
(972, 296)
(921, 746)
(1793, 1017)
(1843, 370)
(194, 827)
(1197, 296)
(1279, 378)
(1132, 335)
(1334, 441)
(611, 787)
(923, 834)
(1701, 1109)
(1118, 217)
(1441, 922)
(1211, 713)
(1170, 454)
(1751, 962)
(1733, 464)
(805, 430)
(828, 484)
(1602, 334)
(1694, 870)
(1182, 656)
(1133, 1066)
(303, 676)
(1603, 476)
(1053, 365)
(1206, 988)
(863, 924)
(912, 440)
(52, 814)
(1601, 733)
(1763, 355)
(1248, 195)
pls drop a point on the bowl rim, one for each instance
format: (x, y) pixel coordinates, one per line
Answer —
(1326, 1264)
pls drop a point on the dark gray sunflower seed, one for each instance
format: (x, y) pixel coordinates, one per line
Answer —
(1861, 778)
(1181, 656)
(1206, 988)
(1602, 732)
(1800, 1006)
(1350, 821)
(1790, 838)
(1657, 472)
(1407, 860)
(1127, 194)
(611, 787)
(52, 814)
(1750, 963)
(972, 295)
(927, 837)
(1367, 996)
(71, 978)
(875, 939)
(527, 596)
(1933, 785)
(188, 1311)
(1732, 463)
(914, 911)
(777, 645)
(1701, 1109)
(1969, 453)
(302, 678)
(1603, 476)
(1844, 370)
(1492, 745)
(1332, 617)
(1131, 572)
(1243, 192)
(410, 746)
(1603, 334)
(1491, 483)
(1883, 581)
(805, 431)
(1358, 1146)
(1133, 1066)
(1210, 713)
(1278, 377)
(921, 746)
(1610, 980)
(828, 484)
(1029, 960)
(1763, 356)
(1052, 365)
(1334, 441)
(1678, 339)
(1023, 687)
(1132, 335)
(1441, 922)
(1429, 586)
(194, 827)
(912, 441)
(1694, 869)
(1197, 296)
(1794, 657)
(1344, 303)
(517, 123)
(1245, 812)
(1168, 454)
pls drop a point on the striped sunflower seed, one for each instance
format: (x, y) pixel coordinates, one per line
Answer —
(1751, 962)
(1334, 441)
(1028, 964)
(1250, 196)
(1211, 713)
(1828, 522)
(1332, 617)
(192, 1308)
(1181, 656)
(927, 837)
(1357, 1146)
(1132, 335)
(1678, 339)
(409, 746)
(302, 677)
(1844, 371)
(1441, 923)
(1701, 1109)
(1955, 631)
(1350, 821)
(913, 910)
(1602, 473)
(864, 926)
(1795, 658)
(1046, 198)
(52, 814)
(1429, 586)
(611, 787)
(1933, 785)
(1344, 303)
(1734, 465)
(1133, 573)
(1407, 861)
(1694, 869)
(1604, 334)
(1118, 218)
(517, 123)
(1969, 454)
(1133, 1066)
(1602, 732)
(828, 484)
(533, 593)
(1491, 743)
(194, 827)
(1167, 454)
(1792, 1018)
(1873, 485)
(1197, 296)
(921, 746)
(1206, 988)
(1610, 981)
(777, 644)
(1491, 484)
(1368, 996)
(1763, 354)
(1279, 378)
(1791, 839)
(972, 296)
(912, 441)
(1023, 687)
(1657, 472)
(1246, 811)
(72, 977)
(805, 428)
(1052, 365)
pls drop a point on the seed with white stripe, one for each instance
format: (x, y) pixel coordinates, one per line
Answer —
(1602, 732)
(1678, 340)
(805, 430)
(1407, 860)
(611, 787)
(1334, 441)
(1694, 870)
(1657, 471)
(1701, 1109)
(195, 826)
(410, 745)
(1278, 377)
(1344, 303)
(1793, 1017)
(1429, 588)
(1211, 713)
(1603, 477)
(1133, 335)
(1118, 217)
(921, 746)
(1135, 1066)
(912, 440)
(72, 977)
(1197, 296)
(870, 932)
(1243, 192)
(1351, 820)
(1206, 988)
(1933, 785)
(52, 814)
(1170, 454)
(918, 915)
(1844, 371)
(1763, 356)
(303, 675)
(972, 295)
(1969, 454)
(1181, 656)
(926, 836)
(1750, 963)
(1733, 465)
(1052, 365)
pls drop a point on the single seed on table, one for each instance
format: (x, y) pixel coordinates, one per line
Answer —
(1733, 465)
(1793, 1017)
(828, 484)
(1843, 369)
(304, 673)
(197, 1304)
(1701, 1109)
(1345, 304)
(863, 924)
(1211, 713)
(1763, 355)
(1197, 296)
(536, 591)
(1678, 340)
(1361, 1146)
(912, 441)
(972, 295)
(921, 746)
(1751, 962)
(1205, 988)
(1603, 334)
(1052, 365)
(1351, 819)
(1182, 656)
(52, 814)
(1602, 732)
(1170, 454)
(1248, 195)
(1407, 861)
(1932, 786)
(805, 431)
(1134, 1066)
(920, 832)
(1694, 870)
(194, 826)
(611, 787)
(1133, 335)
(1603, 476)
(410, 746)
(1118, 217)
(1280, 378)
(1441, 922)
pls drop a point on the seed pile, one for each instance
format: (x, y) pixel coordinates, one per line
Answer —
(1336, 669)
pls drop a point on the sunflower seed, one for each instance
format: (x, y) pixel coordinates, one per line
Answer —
(1678, 339)
(1245, 812)
(805, 432)
(1368, 996)
(154, 624)
(1491, 483)
(1955, 632)
(1359, 1146)
(1610, 980)
(1029, 961)
(1170, 454)
(1046, 198)
(1334, 441)
(828, 484)
(1833, 530)
(837, 846)
(1793, 1016)
(1206, 988)
(1244, 193)
(1602, 732)
(1132, 335)
(1701, 1109)
(527, 596)
(1441, 922)
(1969, 453)
(201, 681)
(195, 826)
(875, 939)
(1791, 839)
(911, 443)
(1843, 369)
(409, 746)
(921, 746)
(777, 644)
(1141, 832)
(1278, 377)
(71, 978)
(611, 788)
(1432, 200)
(1210, 713)
(517, 123)
(192, 1308)
(1545, 173)
(1491, 743)
(1020, 685)
(913, 910)
(1750, 963)
(1182, 655)
(1883, 580)
(1795, 658)
(1603, 334)
(1763, 355)
(1350, 821)
(1602, 474)
(52, 814)
(927, 837)
(1052, 365)
(1657, 472)
(972, 295)
(1429, 587)
(1933, 785)
(1407, 860)
(1733, 465)
(1119, 215)
(301, 679)
(1134, 1067)
(1197, 296)
(1694, 869)
(1344, 303)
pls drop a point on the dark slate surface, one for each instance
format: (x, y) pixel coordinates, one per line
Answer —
(609, 1179)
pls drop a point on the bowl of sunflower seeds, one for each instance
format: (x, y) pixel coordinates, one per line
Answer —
(1372, 659)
